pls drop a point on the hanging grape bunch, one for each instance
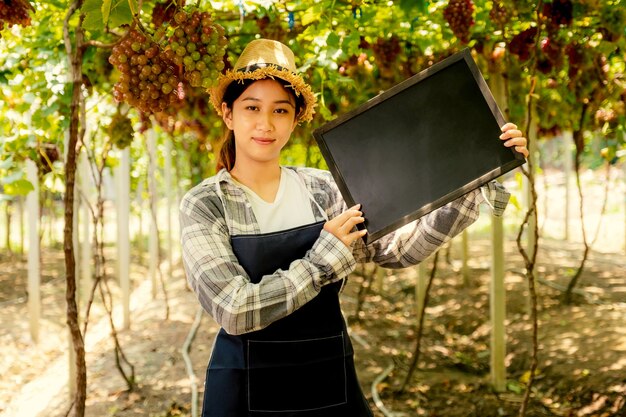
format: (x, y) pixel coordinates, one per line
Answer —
(523, 43)
(199, 45)
(157, 71)
(498, 14)
(147, 81)
(164, 12)
(460, 16)
(15, 12)
(559, 12)
(121, 131)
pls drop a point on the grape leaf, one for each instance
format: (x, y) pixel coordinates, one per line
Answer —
(19, 187)
(93, 20)
(116, 13)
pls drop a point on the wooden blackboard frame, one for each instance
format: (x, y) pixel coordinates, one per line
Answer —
(337, 170)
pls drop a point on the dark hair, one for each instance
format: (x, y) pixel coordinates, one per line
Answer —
(226, 155)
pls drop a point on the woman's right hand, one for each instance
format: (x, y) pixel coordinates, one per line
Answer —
(342, 225)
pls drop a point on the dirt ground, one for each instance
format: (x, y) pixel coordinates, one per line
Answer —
(582, 347)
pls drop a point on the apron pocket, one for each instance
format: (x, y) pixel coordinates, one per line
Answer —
(296, 375)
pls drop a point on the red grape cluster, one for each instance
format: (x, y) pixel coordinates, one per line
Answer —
(121, 131)
(147, 80)
(523, 43)
(559, 12)
(460, 16)
(164, 12)
(498, 14)
(15, 12)
(386, 51)
(575, 58)
(199, 45)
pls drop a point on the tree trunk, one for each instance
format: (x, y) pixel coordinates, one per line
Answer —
(74, 52)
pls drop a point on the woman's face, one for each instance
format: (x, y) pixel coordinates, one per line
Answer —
(262, 119)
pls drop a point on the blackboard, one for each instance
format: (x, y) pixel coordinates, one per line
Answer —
(418, 145)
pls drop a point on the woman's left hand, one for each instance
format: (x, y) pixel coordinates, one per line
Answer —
(513, 137)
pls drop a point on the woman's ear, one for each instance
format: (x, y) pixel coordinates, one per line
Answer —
(227, 115)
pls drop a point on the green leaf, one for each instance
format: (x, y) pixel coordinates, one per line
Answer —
(333, 40)
(408, 5)
(7, 163)
(311, 15)
(3, 76)
(116, 13)
(93, 15)
(12, 178)
(19, 187)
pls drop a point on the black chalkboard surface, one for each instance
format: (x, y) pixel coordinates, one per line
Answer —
(418, 145)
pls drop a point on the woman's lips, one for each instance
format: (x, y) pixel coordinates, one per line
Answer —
(263, 141)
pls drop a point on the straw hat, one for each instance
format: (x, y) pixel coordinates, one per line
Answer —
(264, 58)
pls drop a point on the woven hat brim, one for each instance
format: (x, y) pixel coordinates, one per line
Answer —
(299, 86)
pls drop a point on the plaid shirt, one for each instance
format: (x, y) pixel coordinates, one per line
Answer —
(210, 215)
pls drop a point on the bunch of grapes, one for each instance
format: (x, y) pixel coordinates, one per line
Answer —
(460, 16)
(575, 58)
(498, 14)
(559, 12)
(148, 80)
(386, 51)
(523, 43)
(15, 12)
(199, 45)
(164, 12)
(121, 131)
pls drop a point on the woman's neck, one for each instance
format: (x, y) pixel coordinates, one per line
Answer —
(263, 180)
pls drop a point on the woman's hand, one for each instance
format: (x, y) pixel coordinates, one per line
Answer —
(342, 225)
(513, 137)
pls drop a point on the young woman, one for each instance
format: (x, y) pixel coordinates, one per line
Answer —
(266, 249)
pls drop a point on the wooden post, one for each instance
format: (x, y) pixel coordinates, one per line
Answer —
(567, 142)
(624, 181)
(123, 234)
(169, 193)
(34, 274)
(497, 295)
(139, 234)
(154, 238)
(465, 256)
(420, 288)
(87, 219)
(20, 216)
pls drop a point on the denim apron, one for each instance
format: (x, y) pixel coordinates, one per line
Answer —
(299, 366)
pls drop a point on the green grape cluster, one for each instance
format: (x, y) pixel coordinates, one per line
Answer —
(147, 80)
(15, 12)
(121, 131)
(157, 71)
(198, 45)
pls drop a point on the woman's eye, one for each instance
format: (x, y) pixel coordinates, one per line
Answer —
(252, 108)
(282, 111)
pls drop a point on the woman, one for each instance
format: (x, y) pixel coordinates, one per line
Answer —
(266, 249)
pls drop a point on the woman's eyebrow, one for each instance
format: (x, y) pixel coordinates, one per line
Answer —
(276, 102)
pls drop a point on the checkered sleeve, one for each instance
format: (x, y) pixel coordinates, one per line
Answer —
(414, 242)
(221, 284)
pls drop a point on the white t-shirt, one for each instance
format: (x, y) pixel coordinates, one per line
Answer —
(291, 207)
